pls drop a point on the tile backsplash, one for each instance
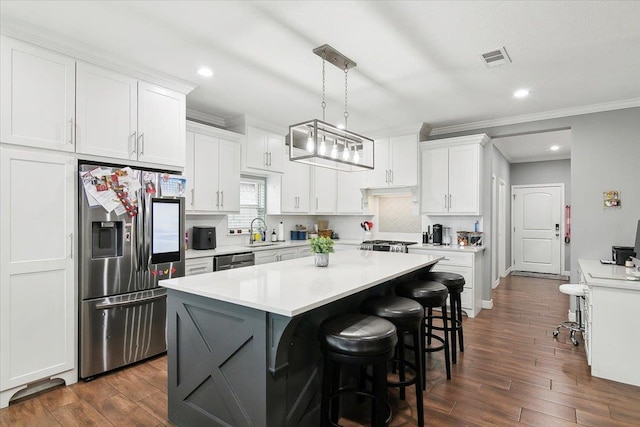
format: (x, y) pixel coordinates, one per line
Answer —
(397, 215)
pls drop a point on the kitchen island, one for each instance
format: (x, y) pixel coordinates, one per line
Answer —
(612, 335)
(242, 344)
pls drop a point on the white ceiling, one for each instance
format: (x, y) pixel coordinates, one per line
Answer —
(535, 147)
(418, 62)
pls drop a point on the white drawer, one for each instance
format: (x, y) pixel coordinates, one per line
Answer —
(198, 266)
(451, 257)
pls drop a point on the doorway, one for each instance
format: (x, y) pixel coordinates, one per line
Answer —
(538, 228)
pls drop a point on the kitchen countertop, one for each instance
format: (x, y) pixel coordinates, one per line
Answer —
(452, 248)
(236, 249)
(602, 275)
(296, 286)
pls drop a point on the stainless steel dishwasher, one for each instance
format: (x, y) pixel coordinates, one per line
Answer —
(227, 262)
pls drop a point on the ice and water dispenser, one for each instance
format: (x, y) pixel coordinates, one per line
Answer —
(106, 241)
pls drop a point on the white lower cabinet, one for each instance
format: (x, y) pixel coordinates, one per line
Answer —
(38, 329)
(469, 265)
(198, 266)
(280, 254)
(304, 251)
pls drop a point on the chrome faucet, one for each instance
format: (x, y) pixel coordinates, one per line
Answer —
(251, 239)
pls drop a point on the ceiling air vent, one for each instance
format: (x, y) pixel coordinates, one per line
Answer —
(496, 57)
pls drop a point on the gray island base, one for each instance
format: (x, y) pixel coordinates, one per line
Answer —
(242, 344)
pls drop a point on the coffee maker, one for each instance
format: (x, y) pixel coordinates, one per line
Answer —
(437, 234)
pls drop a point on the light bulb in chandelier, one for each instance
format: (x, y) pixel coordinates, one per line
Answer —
(334, 150)
(310, 142)
(345, 153)
(356, 156)
(323, 146)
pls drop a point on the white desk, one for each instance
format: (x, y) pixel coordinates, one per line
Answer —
(612, 325)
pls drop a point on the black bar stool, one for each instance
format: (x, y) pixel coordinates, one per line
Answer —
(361, 340)
(407, 316)
(430, 295)
(455, 285)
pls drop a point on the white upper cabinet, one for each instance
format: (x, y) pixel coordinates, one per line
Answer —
(349, 196)
(324, 190)
(295, 188)
(107, 115)
(127, 119)
(161, 125)
(451, 171)
(52, 101)
(212, 170)
(264, 150)
(395, 162)
(38, 96)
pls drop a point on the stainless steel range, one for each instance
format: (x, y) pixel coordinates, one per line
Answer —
(386, 245)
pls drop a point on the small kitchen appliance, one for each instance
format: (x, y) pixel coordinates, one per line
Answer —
(204, 238)
(619, 254)
(437, 234)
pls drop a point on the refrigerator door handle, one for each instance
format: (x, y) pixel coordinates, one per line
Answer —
(107, 306)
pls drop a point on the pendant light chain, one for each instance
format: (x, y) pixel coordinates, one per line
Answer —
(324, 104)
(346, 112)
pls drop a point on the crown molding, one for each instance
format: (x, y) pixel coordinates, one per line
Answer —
(481, 138)
(83, 52)
(239, 124)
(217, 132)
(410, 129)
(553, 114)
(205, 118)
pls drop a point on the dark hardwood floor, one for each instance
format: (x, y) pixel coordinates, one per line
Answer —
(512, 372)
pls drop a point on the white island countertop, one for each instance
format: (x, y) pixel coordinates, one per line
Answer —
(296, 286)
(610, 276)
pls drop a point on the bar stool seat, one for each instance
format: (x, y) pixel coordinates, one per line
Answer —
(430, 295)
(362, 340)
(578, 291)
(455, 284)
(408, 317)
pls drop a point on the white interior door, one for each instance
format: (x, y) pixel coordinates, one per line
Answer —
(537, 228)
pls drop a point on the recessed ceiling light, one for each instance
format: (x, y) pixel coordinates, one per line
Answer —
(340, 126)
(554, 148)
(205, 72)
(521, 93)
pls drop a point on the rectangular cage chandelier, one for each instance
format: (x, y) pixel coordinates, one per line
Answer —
(319, 143)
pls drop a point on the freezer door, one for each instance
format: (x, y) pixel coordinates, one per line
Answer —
(120, 330)
(161, 231)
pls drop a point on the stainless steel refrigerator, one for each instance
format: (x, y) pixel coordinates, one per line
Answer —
(131, 234)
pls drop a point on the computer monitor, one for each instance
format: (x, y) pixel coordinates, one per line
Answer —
(636, 259)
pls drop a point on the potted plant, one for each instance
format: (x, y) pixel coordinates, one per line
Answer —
(322, 247)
